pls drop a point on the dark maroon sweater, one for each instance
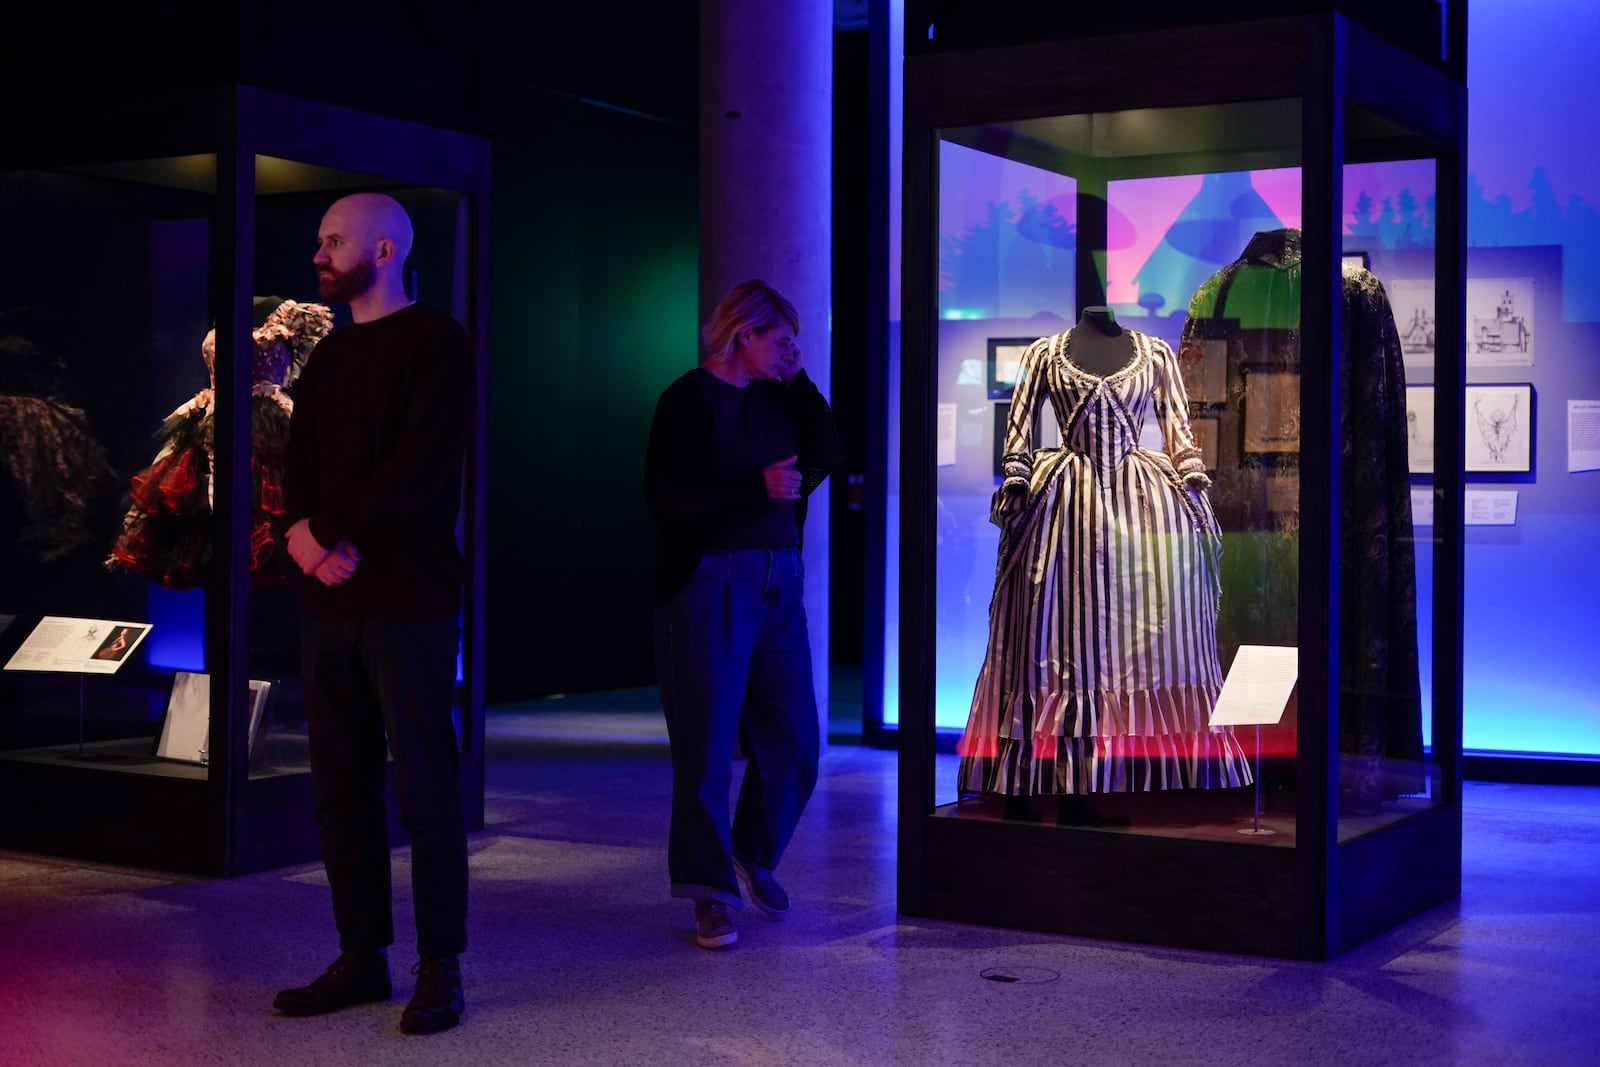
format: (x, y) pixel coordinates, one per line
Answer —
(382, 414)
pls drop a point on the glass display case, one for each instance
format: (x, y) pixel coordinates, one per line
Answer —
(1181, 442)
(156, 304)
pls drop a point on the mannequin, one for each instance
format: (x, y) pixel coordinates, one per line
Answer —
(1098, 344)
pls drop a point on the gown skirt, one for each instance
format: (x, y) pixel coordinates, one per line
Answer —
(1101, 668)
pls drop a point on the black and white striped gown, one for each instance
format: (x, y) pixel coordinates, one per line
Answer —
(1101, 669)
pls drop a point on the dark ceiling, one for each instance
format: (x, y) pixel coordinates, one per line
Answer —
(629, 54)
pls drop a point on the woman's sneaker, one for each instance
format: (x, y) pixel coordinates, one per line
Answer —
(762, 888)
(712, 926)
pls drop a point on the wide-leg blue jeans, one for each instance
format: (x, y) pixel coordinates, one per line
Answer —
(373, 685)
(734, 661)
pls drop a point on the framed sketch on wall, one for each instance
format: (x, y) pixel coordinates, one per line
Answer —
(1355, 259)
(1499, 427)
(1005, 360)
(1412, 304)
(1419, 428)
(1500, 322)
(1271, 410)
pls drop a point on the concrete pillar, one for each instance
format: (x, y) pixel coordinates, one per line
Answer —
(766, 200)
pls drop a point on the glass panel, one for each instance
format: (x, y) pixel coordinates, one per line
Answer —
(1240, 359)
(1083, 556)
(106, 299)
(1007, 244)
(1119, 509)
(290, 317)
(105, 417)
(1386, 701)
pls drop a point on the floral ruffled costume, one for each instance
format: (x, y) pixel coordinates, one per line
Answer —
(166, 534)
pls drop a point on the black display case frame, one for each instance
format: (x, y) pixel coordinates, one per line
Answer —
(1325, 894)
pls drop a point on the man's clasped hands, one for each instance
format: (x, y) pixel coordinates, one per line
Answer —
(328, 566)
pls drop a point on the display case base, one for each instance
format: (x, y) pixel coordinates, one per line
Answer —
(100, 811)
(1201, 886)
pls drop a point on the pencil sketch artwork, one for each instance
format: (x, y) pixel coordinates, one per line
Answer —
(1419, 428)
(1496, 426)
(1412, 302)
(1499, 427)
(1500, 322)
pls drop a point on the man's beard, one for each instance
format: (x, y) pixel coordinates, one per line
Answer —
(345, 286)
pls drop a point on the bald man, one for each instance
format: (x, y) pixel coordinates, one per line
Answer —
(372, 487)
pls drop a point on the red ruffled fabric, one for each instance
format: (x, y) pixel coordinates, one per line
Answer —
(166, 533)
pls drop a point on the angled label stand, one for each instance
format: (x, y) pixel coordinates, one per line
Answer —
(67, 645)
(78, 646)
(1255, 693)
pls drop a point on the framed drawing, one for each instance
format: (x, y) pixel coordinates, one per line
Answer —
(1271, 410)
(1419, 428)
(1005, 360)
(1355, 259)
(1499, 322)
(1499, 427)
(1205, 436)
(1412, 303)
(1002, 416)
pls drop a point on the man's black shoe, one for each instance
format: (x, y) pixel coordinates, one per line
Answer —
(353, 978)
(436, 1005)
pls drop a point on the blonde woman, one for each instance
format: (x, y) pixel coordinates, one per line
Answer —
(736, 446)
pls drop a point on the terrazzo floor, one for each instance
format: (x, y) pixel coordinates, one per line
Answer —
(580, 957)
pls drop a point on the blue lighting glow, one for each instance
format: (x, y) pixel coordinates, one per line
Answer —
(177, 635)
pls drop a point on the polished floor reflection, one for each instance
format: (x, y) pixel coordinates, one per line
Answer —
(580, 957)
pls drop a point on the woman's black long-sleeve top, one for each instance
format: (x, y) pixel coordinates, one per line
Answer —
(709, 443)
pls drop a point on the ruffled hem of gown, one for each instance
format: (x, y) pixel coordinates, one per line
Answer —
(1209, 759)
